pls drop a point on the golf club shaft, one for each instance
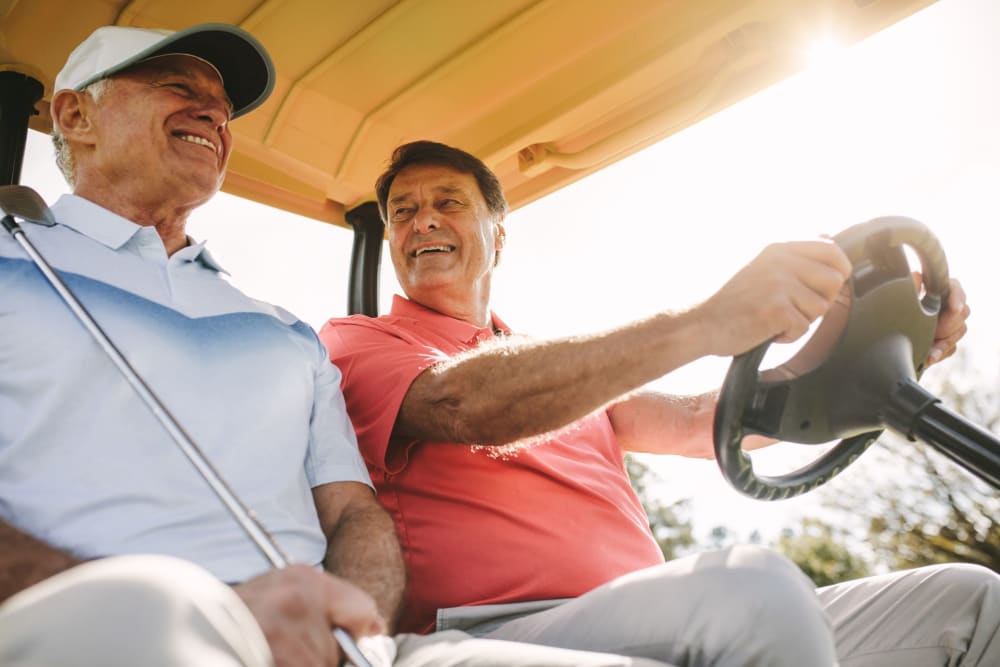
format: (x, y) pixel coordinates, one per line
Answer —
(243, 515)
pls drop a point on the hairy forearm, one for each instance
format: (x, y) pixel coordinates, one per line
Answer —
(364, 550)
(521, 389)
(657, 423)
(25, 560)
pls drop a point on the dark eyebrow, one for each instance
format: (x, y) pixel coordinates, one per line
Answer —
(441, 189)
(450, 190)
(399, 198)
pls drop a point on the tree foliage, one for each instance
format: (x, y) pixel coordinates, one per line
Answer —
(670, 523)
(940, 514)
(821, 551)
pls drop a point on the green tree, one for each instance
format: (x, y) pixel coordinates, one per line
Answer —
(939, 514)
(670, 523)
(821, 551)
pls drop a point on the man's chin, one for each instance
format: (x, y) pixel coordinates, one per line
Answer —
(196, 190)
(428, 288)
(434, 274)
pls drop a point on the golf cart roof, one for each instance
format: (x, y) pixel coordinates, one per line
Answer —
(545, 91)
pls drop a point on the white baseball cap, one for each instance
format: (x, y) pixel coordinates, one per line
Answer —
(243, 63)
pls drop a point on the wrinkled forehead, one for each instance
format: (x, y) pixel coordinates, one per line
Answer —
(431, 178)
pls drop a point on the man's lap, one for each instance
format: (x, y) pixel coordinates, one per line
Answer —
(164, 612)
(721, 606)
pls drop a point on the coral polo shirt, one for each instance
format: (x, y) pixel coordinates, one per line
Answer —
(479, 526)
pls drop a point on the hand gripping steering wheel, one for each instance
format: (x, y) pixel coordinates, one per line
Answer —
(853, 377)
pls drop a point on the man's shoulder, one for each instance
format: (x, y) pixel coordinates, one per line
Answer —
(355, 320)
(286, 317)
(352, 328)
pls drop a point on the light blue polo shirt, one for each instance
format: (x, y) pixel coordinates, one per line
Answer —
(83, 463)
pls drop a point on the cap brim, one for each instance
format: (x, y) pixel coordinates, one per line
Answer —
(246, 68)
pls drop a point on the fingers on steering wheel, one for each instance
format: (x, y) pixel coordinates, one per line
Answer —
(956, 300)
(804, 306)
(829, 273)
(817, 286)
(825, 252)
(951, 324)
(946, 346)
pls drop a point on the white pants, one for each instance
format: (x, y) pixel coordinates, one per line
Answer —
(157, 611)
(750, 607)
(127, 611)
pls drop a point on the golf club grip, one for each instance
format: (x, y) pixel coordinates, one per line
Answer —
(350, 648)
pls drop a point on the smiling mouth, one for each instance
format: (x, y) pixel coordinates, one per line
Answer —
(432, 249)
(200, 141)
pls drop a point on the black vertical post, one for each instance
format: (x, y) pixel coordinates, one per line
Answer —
(362, 288)
(18, 95)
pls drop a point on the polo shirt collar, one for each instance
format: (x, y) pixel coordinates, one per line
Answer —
(114, 231)
(198, 251)
(460, 329)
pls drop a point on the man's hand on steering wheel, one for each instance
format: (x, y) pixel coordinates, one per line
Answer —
(774, 297)
(951, 325)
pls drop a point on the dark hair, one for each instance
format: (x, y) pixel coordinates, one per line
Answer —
(431, 152)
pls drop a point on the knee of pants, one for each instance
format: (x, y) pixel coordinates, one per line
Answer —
(771, 610)
(741, 605)
(738, 583)
(764, 590)
(969, 575)
(964, 581)
(133, 605)
(747, 563)
(142, 581)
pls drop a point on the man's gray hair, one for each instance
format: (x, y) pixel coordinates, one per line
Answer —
(64, 154)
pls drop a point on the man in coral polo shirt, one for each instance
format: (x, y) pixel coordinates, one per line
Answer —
(500, 459)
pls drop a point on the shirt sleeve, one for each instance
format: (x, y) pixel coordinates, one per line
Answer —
(333, 454)
(378, 366)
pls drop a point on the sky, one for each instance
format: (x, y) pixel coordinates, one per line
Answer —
(905, 123)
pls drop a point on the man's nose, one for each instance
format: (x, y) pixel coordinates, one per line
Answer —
(214, 113)
(425, 220)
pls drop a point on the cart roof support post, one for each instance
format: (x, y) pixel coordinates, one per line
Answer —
(18, 95)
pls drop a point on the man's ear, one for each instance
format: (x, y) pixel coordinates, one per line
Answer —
(70, 111)
(499, 241)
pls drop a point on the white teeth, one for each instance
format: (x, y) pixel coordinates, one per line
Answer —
(430, 248)
(201, 141)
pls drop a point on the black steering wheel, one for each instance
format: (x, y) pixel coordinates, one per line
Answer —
(872, 342)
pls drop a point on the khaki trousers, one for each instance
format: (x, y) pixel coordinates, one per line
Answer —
(750, 607)
(740, 607)
(157, 611)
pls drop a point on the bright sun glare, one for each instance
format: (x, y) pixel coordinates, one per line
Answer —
(822, 50)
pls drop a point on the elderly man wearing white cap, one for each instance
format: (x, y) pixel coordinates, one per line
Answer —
(112, 550)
